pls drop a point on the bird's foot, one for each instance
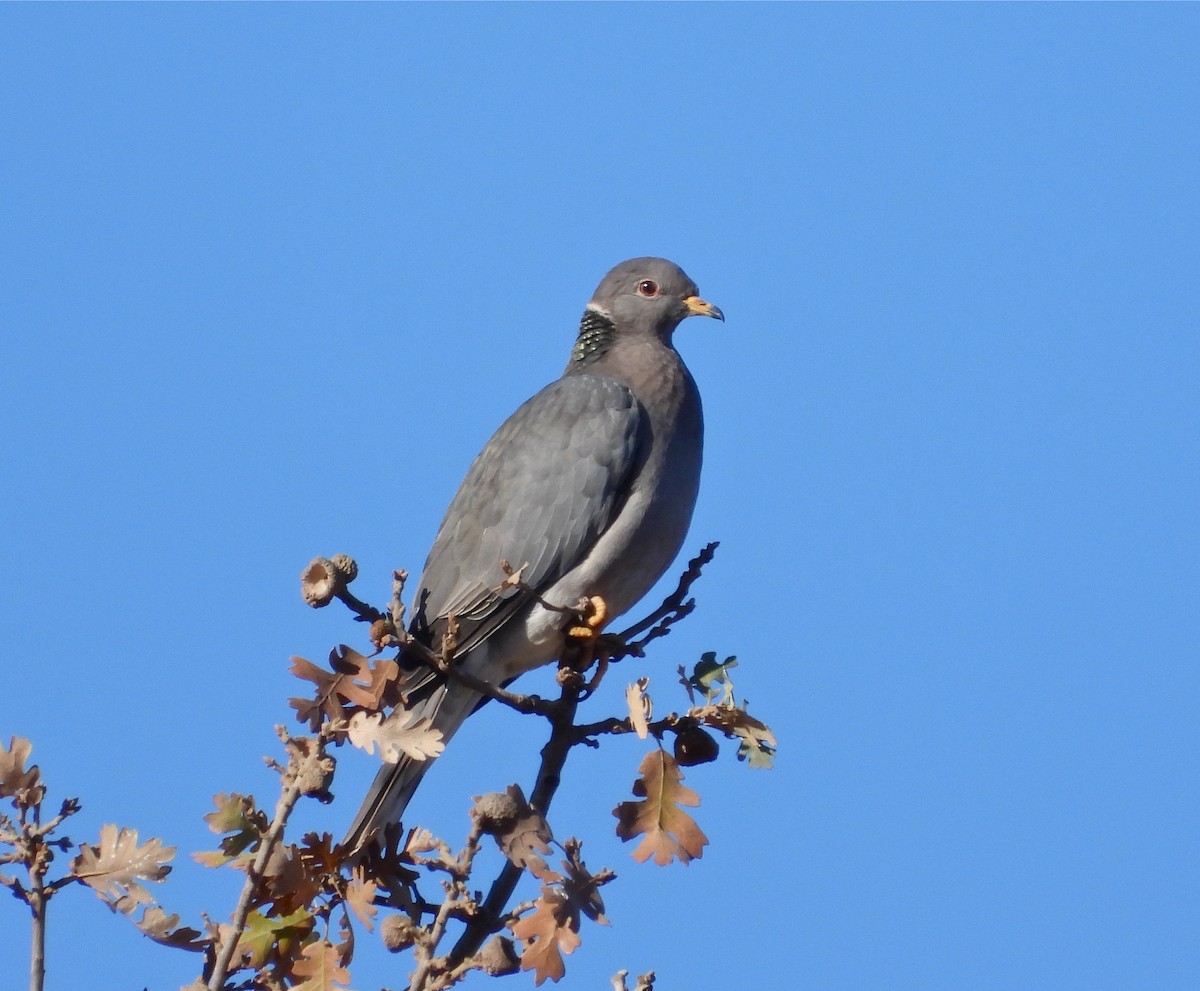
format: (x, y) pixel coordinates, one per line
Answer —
(593, 611)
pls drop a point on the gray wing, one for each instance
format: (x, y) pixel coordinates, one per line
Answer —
(538, 496)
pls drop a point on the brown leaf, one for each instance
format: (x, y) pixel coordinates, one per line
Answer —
(320, 968)
(390, 865)
(165, 929)
(345, 949)
(580, 886)
(514, 577)
(421, 840)
(319, 854)
(360, 896)
(114, 868)
(325, 703)
(640, 707)
(668, 833)
(353, 680)
(756, 741)
(399, 735)
(15, 781)
(288, 882)
(527, 838)
(552, 928)
(547, 933)
(370, 682)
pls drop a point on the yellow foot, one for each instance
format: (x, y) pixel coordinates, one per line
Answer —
(593, 612)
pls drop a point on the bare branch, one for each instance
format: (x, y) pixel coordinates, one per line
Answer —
(674, 608)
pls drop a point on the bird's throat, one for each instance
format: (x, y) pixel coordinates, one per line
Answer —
(596, 336)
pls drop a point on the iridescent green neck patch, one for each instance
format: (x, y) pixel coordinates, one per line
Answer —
(596, 335)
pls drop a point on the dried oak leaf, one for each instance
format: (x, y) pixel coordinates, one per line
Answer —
(668, 833)
(165, 929)
(320, 968)
(547, 933)
(399, 735)
(288, 882)
(580, 886)
(353, 681)
(236, 814)
(115, 868)
(756, 742)
(16, 782)
(640, 707)
(319, 854)
(422, 840)
(345, 949)
(525, 838)
(360, 897)
(389, 864)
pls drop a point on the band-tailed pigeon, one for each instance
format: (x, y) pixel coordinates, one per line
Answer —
(588, 488)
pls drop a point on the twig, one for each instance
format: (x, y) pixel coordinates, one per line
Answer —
(34, 849)
(37, 898)
(522, 703)
(363, 612)
(554, 756)
(433, 971)
(674, 608)
(617, 727)
(302, 769)
(396, 607)
(528, 704)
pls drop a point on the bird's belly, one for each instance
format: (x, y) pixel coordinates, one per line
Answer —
(623, 565)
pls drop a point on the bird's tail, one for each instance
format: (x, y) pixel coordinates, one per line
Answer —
(446, 706)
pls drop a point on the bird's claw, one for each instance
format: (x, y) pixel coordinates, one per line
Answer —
(593, 611)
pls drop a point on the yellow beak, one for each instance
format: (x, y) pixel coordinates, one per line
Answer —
(699, 308)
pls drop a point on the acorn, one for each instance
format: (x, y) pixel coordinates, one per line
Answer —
(347, 567)
(319, 582)
(398, 932)
(695, 745)
(498, 957)
(498, 811)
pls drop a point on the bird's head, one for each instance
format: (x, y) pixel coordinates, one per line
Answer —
(651, 296)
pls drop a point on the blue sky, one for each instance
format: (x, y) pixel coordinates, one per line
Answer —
(272, 274)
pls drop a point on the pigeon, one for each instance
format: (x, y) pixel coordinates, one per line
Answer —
(587, 491)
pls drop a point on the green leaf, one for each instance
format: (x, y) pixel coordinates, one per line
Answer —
(709, 674)
(237, 815)
(265, 937)
(755, 752)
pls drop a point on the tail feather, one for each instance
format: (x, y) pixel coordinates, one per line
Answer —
(447, 705)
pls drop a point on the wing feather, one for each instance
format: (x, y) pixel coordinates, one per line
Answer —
(539, 494)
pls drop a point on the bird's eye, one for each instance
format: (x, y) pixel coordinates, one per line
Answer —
(648, 288)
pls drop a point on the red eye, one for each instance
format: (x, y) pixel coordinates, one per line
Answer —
(648, 288)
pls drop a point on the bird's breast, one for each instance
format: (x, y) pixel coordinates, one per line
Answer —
(652, 520)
